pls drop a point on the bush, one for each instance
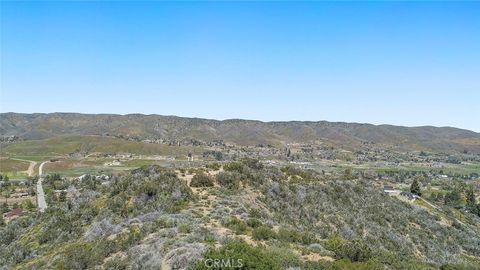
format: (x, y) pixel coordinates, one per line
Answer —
(234, 167)
(254, 223)
(253, 163)
(201, 180)
(229, 180)
(295, 236)
(236, 225)
(184, 228)
(214, 166)
(81, 255)
(356, 251)
(240, 255)
(263, 233)
(255, 213)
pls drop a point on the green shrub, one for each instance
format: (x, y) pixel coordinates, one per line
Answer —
(229, 180)
(81, 255)
(236, 225)
(295, 236)
(214, 166)
(201, 180)
(346, 264)
(356, 251)
(253, 163)
(234, 167)
(255, 213)
(244, 256)
(263, 233)
(183, 228)
(253, 222)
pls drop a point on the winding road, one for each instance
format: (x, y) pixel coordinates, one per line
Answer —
(42, 204)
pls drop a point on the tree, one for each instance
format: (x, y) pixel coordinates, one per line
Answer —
(471, 202)
(453, 198)
(28, 204)
(415, 188)
(6, 195)
(6, 181)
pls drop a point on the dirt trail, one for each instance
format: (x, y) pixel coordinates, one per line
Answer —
(205, 206)
(31, 167)
(208, 201)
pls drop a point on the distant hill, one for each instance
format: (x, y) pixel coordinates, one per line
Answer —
(243, 132)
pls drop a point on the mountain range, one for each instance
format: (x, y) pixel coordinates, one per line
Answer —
(241, 132)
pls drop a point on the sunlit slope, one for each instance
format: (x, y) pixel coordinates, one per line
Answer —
(243, 132)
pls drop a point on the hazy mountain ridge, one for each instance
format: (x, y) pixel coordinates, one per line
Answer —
(243, 132)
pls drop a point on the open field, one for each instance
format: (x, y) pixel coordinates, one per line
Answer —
(20, 200)
(14, 169)
(64, 145)
(75, 172)
(445, 168)
(15, 175)
(32, 157)
(11, 165)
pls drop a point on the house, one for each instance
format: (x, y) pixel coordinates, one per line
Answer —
(409, 195)
(115, 162)
(20, 195)
(389, 189)
(15, 213)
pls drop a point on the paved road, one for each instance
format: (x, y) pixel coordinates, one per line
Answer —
(42, 204)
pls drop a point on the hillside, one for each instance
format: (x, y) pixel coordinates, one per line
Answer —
(241, 132)
(266, 217)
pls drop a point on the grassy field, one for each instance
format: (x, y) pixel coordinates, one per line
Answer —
(15, 175)
(138, 163)
(82, 170)
(11, 165)
(68, 167)
(64, 145)
(14, 169)
(37, 158)
(448, 168)
(76, 167)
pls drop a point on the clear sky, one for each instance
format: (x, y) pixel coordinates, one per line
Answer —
(403, 63)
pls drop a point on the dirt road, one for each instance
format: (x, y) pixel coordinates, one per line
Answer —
(31, 167)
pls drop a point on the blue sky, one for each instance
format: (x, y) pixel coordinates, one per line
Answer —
(403, 63)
